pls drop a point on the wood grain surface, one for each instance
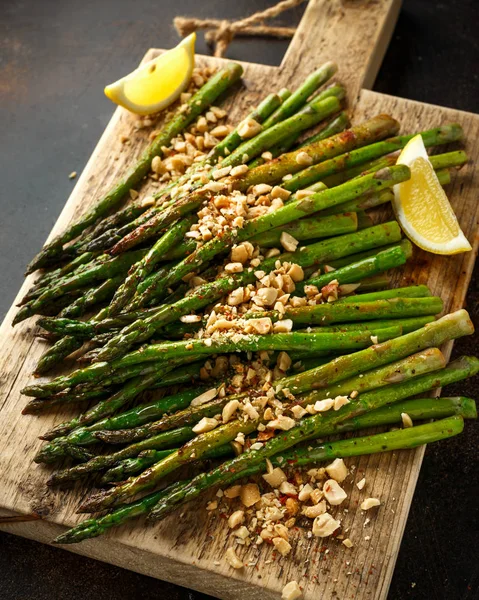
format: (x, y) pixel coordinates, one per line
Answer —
(186, 547)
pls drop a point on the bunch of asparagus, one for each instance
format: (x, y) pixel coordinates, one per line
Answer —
(380, 345)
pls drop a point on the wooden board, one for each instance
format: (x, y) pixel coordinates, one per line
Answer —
(185, 547)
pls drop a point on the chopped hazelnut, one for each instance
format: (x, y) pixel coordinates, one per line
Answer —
(333, 492)
(325, 525)
(303, 158)
(298, 411)
(305, 493)
(284, 326)
(281, 545)
(204, 397)
(275, 478)
(235, 267)
(291, 591)
(239, 170)
(288, 242)
(360, 484)
(232, 559)
(288, 489)
(348, 543)
(229, 409)
(340, 401)
(369, 503)
(406, 420)
(284, 361)
(206, 424)
(312, 512)
(296, 273)
(337, 470)
(232, 492)
(248, 128)
(249, 494)
(279, 192)
(323, 405)
(261, 325)
(157, 166)
(282, 422)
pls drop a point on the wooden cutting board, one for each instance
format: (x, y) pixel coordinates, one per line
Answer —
(188, 548)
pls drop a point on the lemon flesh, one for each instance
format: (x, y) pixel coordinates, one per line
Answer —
(422, 207)
(157, 84)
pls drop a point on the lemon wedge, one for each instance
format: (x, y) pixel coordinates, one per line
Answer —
(422, 207)
(158, 83)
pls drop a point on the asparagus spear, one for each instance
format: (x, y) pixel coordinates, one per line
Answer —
(384, 442)
(410, 291)
(290, 212)
(97, 272)
(148, 457)
(213, 88)
(311, 228)
(231, 470)
(401, 370)
(433, 334)
(316, 111)
(147, 263)
(133, 417)
(356, 271)
(419, 409)
(336, 125)
(59, 446)
(373, 130)
(407, 325)
(432, 137)
(228, 432)
(163, 440)
(327, 313)
(299, 97)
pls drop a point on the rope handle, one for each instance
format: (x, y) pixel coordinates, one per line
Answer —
(221, 32)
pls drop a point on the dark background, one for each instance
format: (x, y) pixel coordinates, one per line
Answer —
(55, 58)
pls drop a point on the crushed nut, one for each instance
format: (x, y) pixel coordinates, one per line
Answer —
(325, 525)
(232, 559)
(369, 503)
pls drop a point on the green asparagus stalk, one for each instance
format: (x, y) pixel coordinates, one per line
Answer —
(307, 229)
(149, 457)
(213, 88)
(418, 409)
(410, 291)
(147, 263)
(369, 132)
(327, 313)
(105, 270)
(58, 447)
(396, 440)
(255, 460)
(298, 98)
(228, 432)
(102, 293)
(432, 137)
(133, 417)
(290, 212)
(407, 325)
(336, 125)
(433, 334)
(316, 112)
(401, 370)
(356, 271)
(166, 439)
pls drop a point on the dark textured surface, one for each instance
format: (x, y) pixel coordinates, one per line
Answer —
(55, 58)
